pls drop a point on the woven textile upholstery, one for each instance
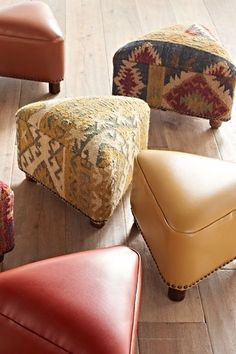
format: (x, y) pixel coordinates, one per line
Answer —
(83, 148)
(182, 69)
(6, 219)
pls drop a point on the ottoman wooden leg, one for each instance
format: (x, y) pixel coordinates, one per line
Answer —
(215, 124)
(29, 178)
(1, 258)
(54, 88)
(97, 224)
(176, 295)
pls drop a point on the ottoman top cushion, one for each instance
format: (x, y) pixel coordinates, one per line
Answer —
(189, 48)
(29, 20)
(77, 119)
(191, 191)
(80, 303)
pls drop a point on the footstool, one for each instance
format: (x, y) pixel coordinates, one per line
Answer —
(83, 148)
(85, 302)
(189, 219)
(31, 44)
(6, 219)
(180, 68)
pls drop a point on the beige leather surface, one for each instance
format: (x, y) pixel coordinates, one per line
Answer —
(31, 43)
(194, 184)
(175, 211)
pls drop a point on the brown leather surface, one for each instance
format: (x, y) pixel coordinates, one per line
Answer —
(81, 303)
(185, 207)
(31, 43)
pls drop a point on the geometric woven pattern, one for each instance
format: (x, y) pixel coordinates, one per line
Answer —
(180, 68)
(6, 218)
(83, 148)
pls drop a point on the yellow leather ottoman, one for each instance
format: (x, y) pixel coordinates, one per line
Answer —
(185, 207)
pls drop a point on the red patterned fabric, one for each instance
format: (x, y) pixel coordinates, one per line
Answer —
(6, 218)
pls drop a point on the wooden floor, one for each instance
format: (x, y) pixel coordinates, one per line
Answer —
(46, 227)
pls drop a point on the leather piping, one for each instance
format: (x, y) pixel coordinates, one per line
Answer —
(35, 333)
(175, 286)
(167, 222)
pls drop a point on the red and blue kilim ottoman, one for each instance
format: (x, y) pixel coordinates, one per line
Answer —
(6, 219)
(182, 69)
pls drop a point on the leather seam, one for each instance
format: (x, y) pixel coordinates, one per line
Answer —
(174, 286)
(35, 333)
(55, 40)
(167, 222)
(136, 298)
(32, 78)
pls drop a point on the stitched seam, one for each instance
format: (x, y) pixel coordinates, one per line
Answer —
(35, 333)
(55, 40)
(174, 286)
(136, 298)
(167, 222)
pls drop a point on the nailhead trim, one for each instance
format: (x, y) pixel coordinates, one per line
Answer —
(174, 286)
(64, 200)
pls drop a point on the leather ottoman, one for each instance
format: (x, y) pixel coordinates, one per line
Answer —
(6, 219)
(81, 303)
(181, 68)
(83, 148)
(189, 219)
(31, 44)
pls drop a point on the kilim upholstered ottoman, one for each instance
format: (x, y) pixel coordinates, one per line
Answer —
(185, 207)
(31, 44)
(182, 69)
(83, 303)
(6, 219)
(83, 148)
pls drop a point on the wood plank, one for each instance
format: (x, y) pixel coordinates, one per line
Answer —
(155, 14)
(9, 100)
(218, 298)
(86, 63)
(174, 338)
(155, 305)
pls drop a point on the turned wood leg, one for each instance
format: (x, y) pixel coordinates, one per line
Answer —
(97, 224)
(215, 123)
(29, 178)
(54, 88)
(176, 295)
(1, 258)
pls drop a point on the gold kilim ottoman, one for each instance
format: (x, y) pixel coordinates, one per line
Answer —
(83, 148)
(180, 68)
(185, 207)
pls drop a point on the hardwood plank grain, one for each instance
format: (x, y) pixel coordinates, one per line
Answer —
(174, 338)
(86, 64)
(155, 14)
(218, 298)
(9, 100)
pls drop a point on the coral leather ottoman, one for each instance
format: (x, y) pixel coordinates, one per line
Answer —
(31, 44)
(6, 219)
(84, 303)
(185, 207)
(181, 68)
(83, 148)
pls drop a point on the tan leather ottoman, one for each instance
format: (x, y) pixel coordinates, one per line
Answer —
(185, 207)
(85, 302)
(31, 44)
